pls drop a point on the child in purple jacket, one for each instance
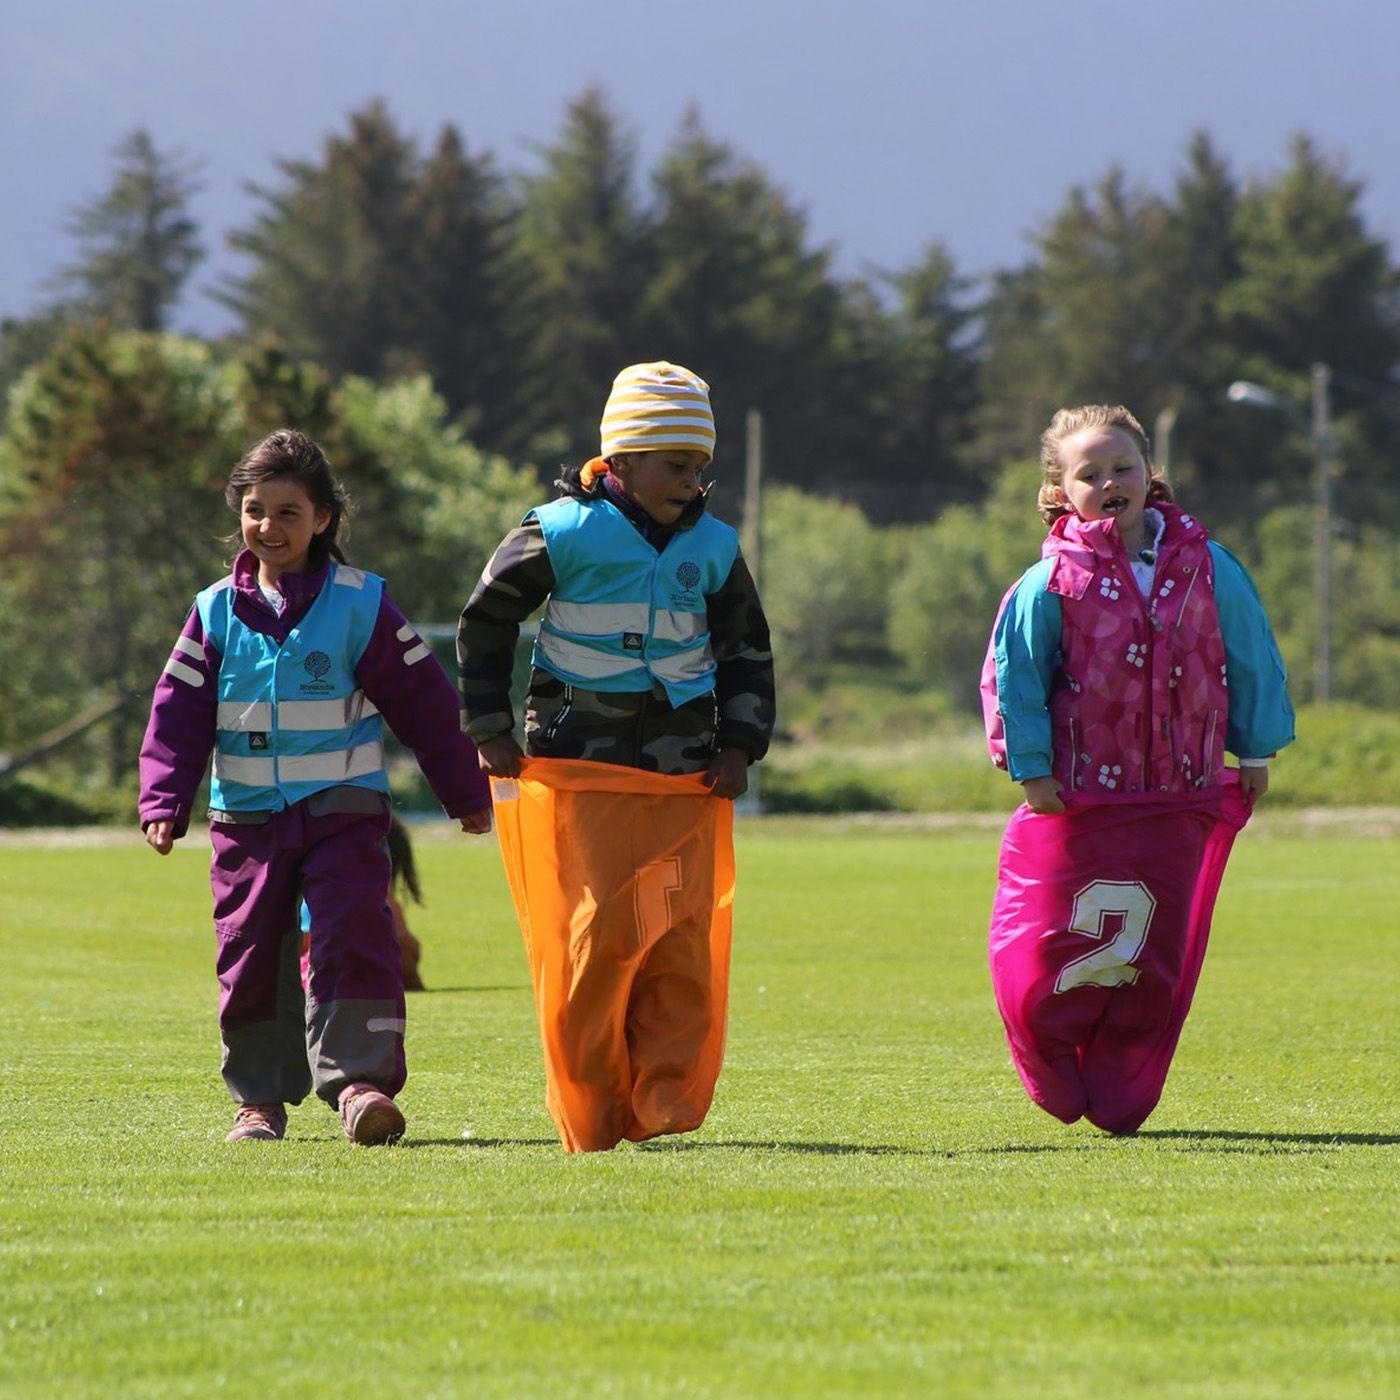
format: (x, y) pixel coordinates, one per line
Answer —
(285, 671)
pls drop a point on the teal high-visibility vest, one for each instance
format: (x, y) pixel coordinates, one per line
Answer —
(292, 720)
(622, 615)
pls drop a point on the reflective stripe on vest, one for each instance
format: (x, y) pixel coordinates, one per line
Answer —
(588, 663)
(324, 769)
(177, 668)
(296, 714)
(623, 616)
(291, 719)
(605, 619)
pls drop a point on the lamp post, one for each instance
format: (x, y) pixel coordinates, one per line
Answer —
(1318, 427)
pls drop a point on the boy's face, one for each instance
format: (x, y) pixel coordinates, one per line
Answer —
(662, 483)
(1103, 476)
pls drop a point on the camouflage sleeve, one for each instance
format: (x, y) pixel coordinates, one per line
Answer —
(517, 580)
(744, 657)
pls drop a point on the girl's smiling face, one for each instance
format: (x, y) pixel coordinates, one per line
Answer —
(1103, 476)
(278, 521)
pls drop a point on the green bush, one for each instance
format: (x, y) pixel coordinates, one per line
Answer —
(825, 575)
(23, 804)
(1346, 756)
(826, 788)
(944, 601)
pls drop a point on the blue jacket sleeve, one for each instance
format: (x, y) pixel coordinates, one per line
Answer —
(1261, 713)
(1027, 645)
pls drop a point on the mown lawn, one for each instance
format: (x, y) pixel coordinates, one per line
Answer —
(873, 1207)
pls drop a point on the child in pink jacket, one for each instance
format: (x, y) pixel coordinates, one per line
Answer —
(1121, 669)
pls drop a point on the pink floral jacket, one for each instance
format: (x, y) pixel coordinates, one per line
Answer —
(1137, 695)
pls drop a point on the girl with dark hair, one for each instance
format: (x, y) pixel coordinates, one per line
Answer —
(286, 671)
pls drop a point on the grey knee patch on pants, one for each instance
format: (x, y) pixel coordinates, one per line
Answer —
(354, 1039)
(266, 1063)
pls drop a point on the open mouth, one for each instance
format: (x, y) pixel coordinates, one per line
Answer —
(1114, 505)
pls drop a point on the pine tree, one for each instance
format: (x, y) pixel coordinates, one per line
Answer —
(585, 241)
(468, 300)
(1313, 284)
(1095, 318)
(332, 250)
(1316, 286)
(737, 294)
(1210, 457)
(138, 243)
(936, 370)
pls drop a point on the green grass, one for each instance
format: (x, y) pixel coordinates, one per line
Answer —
(872, 1208)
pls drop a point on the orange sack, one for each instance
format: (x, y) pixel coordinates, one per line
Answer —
(623, 882)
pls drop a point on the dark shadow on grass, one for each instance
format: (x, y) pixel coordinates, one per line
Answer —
(475, 1142)
(1224, 1141)
(1291, 1142)
(826, 1149)
(844, 1148)
(503, 987)
(821, 1149)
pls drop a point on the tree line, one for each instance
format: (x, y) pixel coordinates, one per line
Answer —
(450, 329)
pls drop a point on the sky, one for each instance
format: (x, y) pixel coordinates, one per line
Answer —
(892, 123)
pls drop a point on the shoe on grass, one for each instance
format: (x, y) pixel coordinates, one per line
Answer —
(258, 1122)
(370, 1118)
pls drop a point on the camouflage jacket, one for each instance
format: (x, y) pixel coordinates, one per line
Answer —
(641, 728)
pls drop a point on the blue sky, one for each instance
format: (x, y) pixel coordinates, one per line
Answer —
(891, 122)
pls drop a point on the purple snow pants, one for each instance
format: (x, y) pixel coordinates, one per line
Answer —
(278, 1043)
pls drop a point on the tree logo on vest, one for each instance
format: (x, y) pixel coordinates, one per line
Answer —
(687, 575)
(317, 664)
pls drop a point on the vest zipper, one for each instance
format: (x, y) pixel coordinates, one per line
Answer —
(273, 738)
(651, 611)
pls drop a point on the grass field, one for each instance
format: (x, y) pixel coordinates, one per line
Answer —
(872, 1208)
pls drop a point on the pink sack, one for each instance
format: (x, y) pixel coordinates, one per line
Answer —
(1098, 933)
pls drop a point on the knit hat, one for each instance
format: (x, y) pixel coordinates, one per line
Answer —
(658, 407)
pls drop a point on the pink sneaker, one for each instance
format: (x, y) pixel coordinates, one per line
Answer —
(258, 1122)
(370, 1118)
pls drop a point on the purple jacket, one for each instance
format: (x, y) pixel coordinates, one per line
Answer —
(418, 702)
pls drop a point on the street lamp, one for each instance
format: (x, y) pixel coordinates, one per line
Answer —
(1318, 427)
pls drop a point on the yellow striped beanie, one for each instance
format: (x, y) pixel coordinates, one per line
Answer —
(658, 407)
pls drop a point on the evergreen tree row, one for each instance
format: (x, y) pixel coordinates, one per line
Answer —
(904, 391)
(449, 331)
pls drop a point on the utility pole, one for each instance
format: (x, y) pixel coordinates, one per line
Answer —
(1162, 441)
(753, 490)
(1322, 541)
(752, 542)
